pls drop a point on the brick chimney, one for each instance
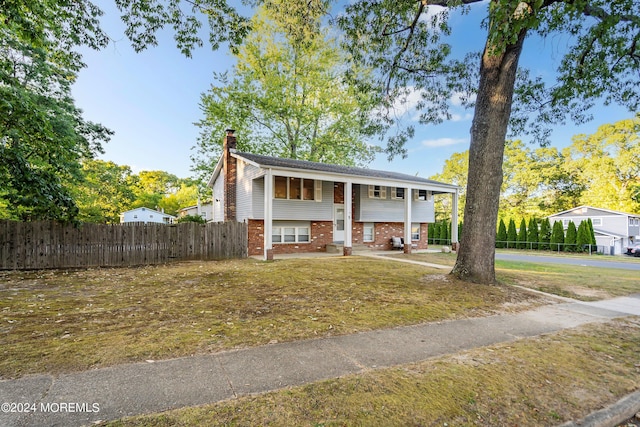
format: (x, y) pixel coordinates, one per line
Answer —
(229, 168)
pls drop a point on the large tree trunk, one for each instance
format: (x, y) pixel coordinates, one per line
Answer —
(476, 257)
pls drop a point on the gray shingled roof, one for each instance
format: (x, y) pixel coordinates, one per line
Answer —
(338, 169)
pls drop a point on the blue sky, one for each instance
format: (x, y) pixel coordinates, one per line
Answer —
(150, 99)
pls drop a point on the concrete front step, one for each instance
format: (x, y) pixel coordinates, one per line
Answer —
(338, 248)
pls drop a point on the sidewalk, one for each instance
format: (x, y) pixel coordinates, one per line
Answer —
(153, 386)
(118, 391)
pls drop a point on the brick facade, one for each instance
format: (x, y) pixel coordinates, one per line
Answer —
(322, 234)
(229, 167)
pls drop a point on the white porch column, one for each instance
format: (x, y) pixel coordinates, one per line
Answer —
(408, 198)
(348, 219)
(454, 221)
(268, 215)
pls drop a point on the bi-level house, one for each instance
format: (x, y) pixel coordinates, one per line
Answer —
(299, 206)
(614, 230)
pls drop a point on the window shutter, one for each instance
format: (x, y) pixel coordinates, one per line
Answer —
(383, 192)
(318, 190)
(394, 195)
(416, 194)
(371, 191)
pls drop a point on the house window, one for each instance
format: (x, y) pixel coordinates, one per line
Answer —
(280, 187)
(397, 193)
(377, 192)
(367, 234)
(597, 222)
(415, 231)
(296, 188)
(308, 189)
(135, 216)
(421, 195)
(291, 233)
(276, 234)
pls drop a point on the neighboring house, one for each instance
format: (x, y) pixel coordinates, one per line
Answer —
(146, 215)
(299, 206)
(204, 210)
(614, 230)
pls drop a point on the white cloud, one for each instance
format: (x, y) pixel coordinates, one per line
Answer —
(457, 97)
(442, 142)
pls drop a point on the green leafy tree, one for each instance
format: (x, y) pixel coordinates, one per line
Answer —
(444, 232)
(583, 238)
(408, 44)
(545, 234)
(286, 97)
(522, 235)
(43, 136)
(607, 164)
(592, 234)
(106, 190)
(501, 238)
(557, 236)
(431, 231)
(512, 234)
(436, 233)
(571, 238)
(191, 218)
(533, 235)
(454, 172)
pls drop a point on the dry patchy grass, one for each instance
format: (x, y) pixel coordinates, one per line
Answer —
(531, 382)
(62, 321)
(578, 282)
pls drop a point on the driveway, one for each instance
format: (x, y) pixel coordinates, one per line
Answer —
(583, 261)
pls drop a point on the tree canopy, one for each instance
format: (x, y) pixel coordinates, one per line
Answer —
(600, 169)
(286, 96)
(43, 137)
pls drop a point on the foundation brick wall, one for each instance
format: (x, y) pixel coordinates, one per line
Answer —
(384, 231)
(322, 234)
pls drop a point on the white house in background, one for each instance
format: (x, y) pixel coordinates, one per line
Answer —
(146, 215)
(613, 229)
(204, 210)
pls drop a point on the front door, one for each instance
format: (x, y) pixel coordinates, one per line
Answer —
(338, 223)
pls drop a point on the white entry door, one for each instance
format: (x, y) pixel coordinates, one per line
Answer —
(338, 223)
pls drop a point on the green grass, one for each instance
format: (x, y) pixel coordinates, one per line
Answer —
(62, 321)
(578, 282)
(531, 382)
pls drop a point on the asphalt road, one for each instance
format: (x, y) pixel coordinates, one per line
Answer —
(632, 264)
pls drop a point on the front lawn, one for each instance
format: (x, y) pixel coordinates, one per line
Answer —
(573, 281)
(62, 321)
(533, 382)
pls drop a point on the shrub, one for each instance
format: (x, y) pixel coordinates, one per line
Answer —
(522, 235)
(557, 236)
(512, 234)
(501, 238)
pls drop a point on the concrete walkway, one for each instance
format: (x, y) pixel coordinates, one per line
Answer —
(153, 386)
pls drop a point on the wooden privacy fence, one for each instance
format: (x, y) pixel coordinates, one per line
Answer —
(49, 244)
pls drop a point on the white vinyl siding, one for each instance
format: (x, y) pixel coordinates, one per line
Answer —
(321, 209)
(378, 210)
